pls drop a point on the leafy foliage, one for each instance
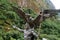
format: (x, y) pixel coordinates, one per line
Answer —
(50, 28)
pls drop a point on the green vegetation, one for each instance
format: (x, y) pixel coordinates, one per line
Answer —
(50, 28)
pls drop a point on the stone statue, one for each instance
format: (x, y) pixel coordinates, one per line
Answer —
(29, 33)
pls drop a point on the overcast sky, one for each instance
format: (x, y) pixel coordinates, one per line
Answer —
(56, 3)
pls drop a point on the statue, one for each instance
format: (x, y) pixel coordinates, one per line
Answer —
(29, 33)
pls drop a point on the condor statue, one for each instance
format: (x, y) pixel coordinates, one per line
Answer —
(32, 22)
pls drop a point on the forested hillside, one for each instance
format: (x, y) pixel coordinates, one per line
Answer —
(50, 28)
